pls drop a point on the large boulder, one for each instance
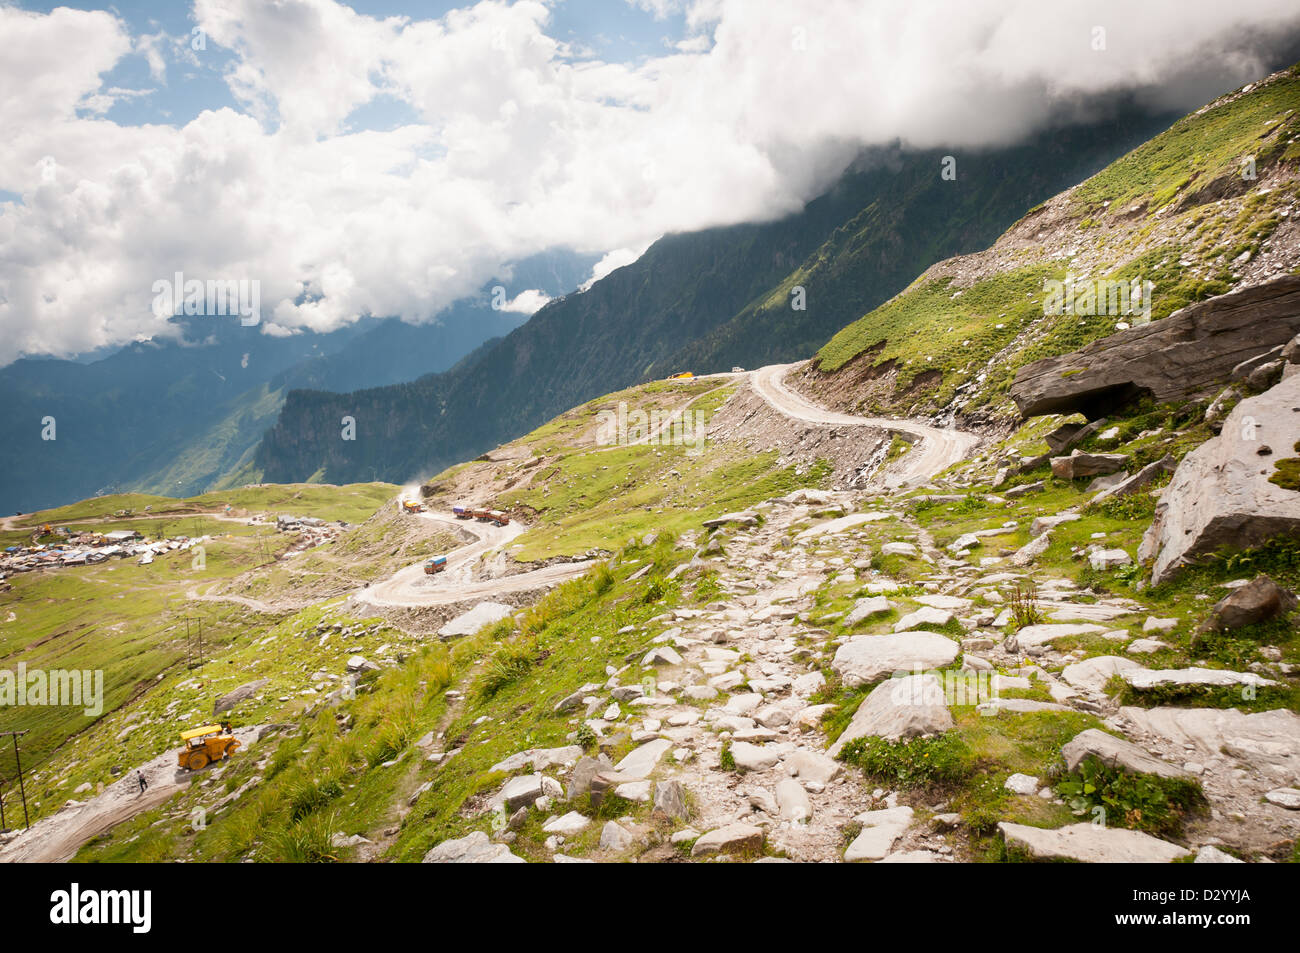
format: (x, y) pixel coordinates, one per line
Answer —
(1117, 752)
(1079, 464)
(898, 709)
(1259, 600)
(1184, 355)
(467, 623)
(867, 658)
(1092, 844)
(1221, 496)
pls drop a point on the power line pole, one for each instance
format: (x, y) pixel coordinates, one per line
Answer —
(19, 764)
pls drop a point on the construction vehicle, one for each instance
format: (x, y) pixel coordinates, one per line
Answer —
(410, 506)
(205, 745)
(436, 564)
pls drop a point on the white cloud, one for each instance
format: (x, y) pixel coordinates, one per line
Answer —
(612, 261)
(519, 144)
(527, 302)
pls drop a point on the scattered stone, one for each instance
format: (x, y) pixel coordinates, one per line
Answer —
(880, 831)
(641, 761)
(670, 800)
(751, 757)
(1209, 854)
(248, 690)
(1093, 674)
(1034, 637)
(474, 848)
(865, 608)
(1288, 798)
(567, 824)
(616, 838)
(734, 838)
(793, 802)
(923, 616)
(1079, 464)
(1021, 784)
(810, 767)
(1259, 600)
(1104, 559)
(1145, 679)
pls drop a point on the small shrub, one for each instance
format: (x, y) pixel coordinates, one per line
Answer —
(506, 666)
(1024, 605)
(309, 796)
(918, 763)
(1143, 802)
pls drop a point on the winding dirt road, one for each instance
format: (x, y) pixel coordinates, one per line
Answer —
(412, 587)
(938, 449)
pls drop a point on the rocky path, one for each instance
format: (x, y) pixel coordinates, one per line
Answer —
(729, 744)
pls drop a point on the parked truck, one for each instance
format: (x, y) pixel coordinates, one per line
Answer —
(461, 513)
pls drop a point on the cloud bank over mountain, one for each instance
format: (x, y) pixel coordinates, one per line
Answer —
(509, 140)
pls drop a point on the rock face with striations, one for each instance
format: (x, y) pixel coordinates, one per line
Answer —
(1221, 495)
(1181, 356)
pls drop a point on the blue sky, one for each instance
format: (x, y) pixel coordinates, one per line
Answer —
(613, 30)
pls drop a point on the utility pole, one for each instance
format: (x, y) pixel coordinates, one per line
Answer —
(19, 764)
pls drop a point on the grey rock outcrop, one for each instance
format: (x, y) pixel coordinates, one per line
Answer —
(1220, 495)
(243, 692)
(1181, 356)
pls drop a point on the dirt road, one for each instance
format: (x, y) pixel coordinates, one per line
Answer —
(59, 836)
(936, 450)
(412, 587)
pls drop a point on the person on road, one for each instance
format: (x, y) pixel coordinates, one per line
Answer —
(139, 776)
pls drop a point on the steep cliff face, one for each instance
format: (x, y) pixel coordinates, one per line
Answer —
(1207, 207)
(705, 301)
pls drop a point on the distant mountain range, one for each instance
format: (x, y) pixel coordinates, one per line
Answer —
(180, 416)
(702, 301)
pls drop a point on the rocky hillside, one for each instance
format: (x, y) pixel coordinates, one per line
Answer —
(1207, 207)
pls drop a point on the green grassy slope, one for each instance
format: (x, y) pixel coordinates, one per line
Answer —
(1175, 211)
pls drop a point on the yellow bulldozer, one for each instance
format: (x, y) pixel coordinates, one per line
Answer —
(205, 745)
